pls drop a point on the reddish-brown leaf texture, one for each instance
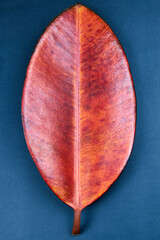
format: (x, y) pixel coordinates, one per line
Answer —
(78, 107)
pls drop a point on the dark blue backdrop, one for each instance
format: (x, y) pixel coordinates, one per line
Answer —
(131, 207)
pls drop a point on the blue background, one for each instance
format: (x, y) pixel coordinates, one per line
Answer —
(131, 207)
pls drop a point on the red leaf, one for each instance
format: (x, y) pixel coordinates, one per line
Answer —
(78, 108)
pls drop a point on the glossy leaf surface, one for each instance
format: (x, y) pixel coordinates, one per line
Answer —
(78, 107)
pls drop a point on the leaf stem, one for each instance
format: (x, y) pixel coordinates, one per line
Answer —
(76, 223)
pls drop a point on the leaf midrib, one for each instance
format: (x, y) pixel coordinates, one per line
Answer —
(77, 196)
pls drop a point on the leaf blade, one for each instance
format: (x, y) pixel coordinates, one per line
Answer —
(79, 107)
